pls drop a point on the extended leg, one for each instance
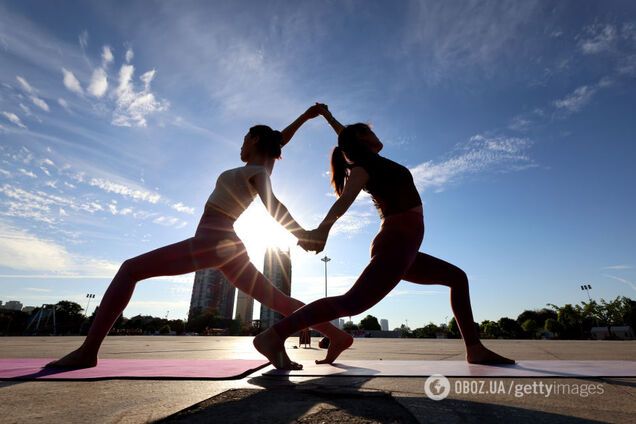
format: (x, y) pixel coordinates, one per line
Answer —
(427, 269)
(244, 275)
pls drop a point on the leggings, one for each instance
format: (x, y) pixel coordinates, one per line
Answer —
(214, 245)
(394, 256)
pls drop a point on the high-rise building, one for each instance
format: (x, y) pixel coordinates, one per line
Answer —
(277, 269)
(244, 307)
(212, 290)
(384, 324)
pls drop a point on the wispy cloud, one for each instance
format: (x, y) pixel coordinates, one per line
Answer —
(132, 107)
(597, 38)
(14, 119)
(180, 207)
(71, 82)
(616, 267)
(575, 101)
(622, 280)
(25, 252)
(122, 189)
(480, 154)
(99, 83)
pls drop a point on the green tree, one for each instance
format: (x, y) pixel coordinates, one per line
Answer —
(453, 329)
(530, 326)
(349, 326)
(429, 331)
(570, 321)
(552, 325)
(68, 317)
(490, 329)
(370, 323)
(510, 328)
(165, 329)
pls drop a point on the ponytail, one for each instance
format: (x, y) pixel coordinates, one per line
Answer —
(339, 168)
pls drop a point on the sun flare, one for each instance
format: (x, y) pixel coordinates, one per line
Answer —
(259, 231)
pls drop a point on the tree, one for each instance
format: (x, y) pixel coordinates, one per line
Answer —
(570, 321)
(429, 331)
(165, 329)
(552, 325)
(510, 329)
(490, 329)
(370, 323)
(68, 317)
(349, 326)
(530, 326)
(453, 329)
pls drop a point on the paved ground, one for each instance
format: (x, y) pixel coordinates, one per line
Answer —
(309, 400)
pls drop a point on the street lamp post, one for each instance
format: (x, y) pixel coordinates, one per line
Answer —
(324, 343)
(325, 260)
(89, 296)
(587, 289)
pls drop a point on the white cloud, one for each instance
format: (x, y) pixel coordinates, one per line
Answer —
(25, 85)
(601, 38)
(180, 207)
(22, 251)
(14, 119)
(83, 39)
(71, 82)
(129, 55)
(40, 103)
(107, 55)
(170, 221)
(123, 190)
(622, 280)
(63, 103)
(27, 173)
(480, 154)
(133, 107)
(98, 84)
(575, 101)
(615, 267)
(352, 223)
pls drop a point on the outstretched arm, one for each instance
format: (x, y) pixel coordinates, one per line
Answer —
(316, 239)
(291, 129)
(324, 111)
(275, 208)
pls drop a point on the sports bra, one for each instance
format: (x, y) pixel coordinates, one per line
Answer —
(390, 185)
(233, 192)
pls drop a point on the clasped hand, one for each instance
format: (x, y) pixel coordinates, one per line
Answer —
(313, 240)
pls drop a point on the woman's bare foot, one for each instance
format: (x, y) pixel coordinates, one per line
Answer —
(337, 344)
(76, 359)
(479, 354)
(273, 348)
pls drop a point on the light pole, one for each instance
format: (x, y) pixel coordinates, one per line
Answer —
(89, 296)
(587, 289)
(325, 260)
(324, 343)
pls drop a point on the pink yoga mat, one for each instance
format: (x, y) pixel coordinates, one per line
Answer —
(130, 369)
(407, 368)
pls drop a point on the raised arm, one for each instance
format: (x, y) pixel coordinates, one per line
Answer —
(291, 129)
(276, 209)
(324, 111)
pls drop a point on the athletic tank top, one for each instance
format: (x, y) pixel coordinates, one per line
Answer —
(233, 192)
(390, 185)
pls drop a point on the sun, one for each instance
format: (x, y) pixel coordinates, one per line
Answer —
(258, 231)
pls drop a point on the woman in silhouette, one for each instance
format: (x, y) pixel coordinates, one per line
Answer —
(215, 245)
(356, 165)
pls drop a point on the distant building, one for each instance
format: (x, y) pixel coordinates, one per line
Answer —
(341, 323)
(212, 290)
(244, 307)
(277, 269)
(336, 323)
(1, 304)
(13, 305)
(384, 324)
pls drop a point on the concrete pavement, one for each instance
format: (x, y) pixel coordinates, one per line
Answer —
(301, 399)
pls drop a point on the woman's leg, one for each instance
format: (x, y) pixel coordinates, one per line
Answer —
(243, 274)
(175, 259)
(427, 269)
(392, 254)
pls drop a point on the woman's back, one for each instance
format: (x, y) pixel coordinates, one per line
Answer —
(233, 192)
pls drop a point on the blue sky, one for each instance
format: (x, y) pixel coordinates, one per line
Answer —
(117, 117)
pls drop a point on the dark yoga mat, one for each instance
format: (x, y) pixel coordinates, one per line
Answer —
(126, 369)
